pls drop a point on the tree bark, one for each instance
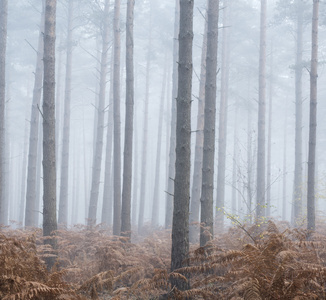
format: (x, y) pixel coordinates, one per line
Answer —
(49, 162)
(128, 147)
(34, 132)
(117, 125)
(260, 208)
(222, 131)
(156, 197)
(63, 205)
(206, 219)
(97, 156)
(197, 176)
(171, 173)
(3, 44)
(312, 120)
(143, 182)
(180, 222)
(297, 184)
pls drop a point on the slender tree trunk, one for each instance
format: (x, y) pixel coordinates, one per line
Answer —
(260, 210)
(127, 163)
(171, 173)
(234, 170)
(156, 197)
(117, 125)
(180, 223)
(312, 120)
(97, 156)
(23, 176)
(297, 185)
(3, 44)
(284, 172)
(206, 219)
(63, 206)
(37, 213)
(135, 178)
(143, 182)
(269, 142)
(107, 212)
(49, 163)
(34, 132)
(222, 132)
(197, 176)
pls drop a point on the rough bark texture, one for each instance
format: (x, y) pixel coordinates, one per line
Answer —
(197, 176)
(297, 185)
(180, 222)
(49, 163)
(3, 44)
(171, 173)
(97, 156)
(117, 125)
(63, 205)
(222, 130)
(127, 163)
(206, 219)
(312, 119)
(260, 208)
(156, 197)
(143, 183)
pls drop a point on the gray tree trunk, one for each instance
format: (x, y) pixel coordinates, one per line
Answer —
(34, 133)
(284, 172)
(260, 209)
(180, 222)
(117, 125)
(171, 173)
(234, 208)
(39, 176)
(206, 218)
(49, 163)
(63, 205)
(3, 44)
(143, 183)
(135, 177)
(156, 197)
(197, 176)
(312, 120)
(222, 131)
(128, 147)
(97, 156)
(297, 184)
(107, 212)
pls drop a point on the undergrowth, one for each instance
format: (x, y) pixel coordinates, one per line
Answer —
(266, 262)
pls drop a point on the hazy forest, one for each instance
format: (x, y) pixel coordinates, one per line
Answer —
(162, 149)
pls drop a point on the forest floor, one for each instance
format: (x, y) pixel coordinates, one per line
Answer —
(270, 261)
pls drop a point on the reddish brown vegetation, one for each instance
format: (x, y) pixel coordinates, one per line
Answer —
(259, 263)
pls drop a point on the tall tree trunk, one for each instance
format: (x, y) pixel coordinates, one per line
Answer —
(197, 176)
(39, 176)
(23, 176)
(269, 142)
(127, 163)
(3, 44)
(297, 184)
(63, 206)
(143, 183)
(180, 222)
(260, 210)
(135, 178)
(34, 132)
(206, 219)
(171, 173)
(97, 156)
(234, 208)
(156, 197)
(222, 132)
(107, 212)
(49, 163)
(284, 172)
(312, 119)
(117, 125)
